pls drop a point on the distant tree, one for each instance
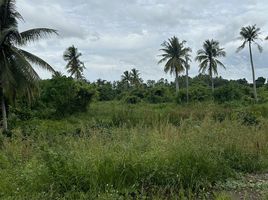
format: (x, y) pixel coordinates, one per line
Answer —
(74, 66)
(126, 78)
(174, 57)
(249, 35)
(100, 82)
(135, 77)
(105, 90)
(207, 57)
(150, 83)
(17, 76)
(260, 82)
(242, 81)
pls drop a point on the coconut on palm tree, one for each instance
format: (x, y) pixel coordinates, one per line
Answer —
(174, 57)
(74, 66)
(249, 35)
(17, 76)
(208, 59)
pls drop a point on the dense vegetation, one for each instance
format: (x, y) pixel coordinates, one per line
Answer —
(68, 138)
(118, 151)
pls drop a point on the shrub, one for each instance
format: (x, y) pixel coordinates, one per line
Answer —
(248, 118)
(196, 93)
(227, 93)
(66, 96)
(159, 95)
(132, 100)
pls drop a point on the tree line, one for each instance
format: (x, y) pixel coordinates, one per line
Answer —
(176, 56)
(18, 78)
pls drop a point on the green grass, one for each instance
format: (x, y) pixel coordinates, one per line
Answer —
(119, 151)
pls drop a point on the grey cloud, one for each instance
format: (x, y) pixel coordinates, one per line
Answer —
(117, 35)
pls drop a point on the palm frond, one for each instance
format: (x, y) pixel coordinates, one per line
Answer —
(36, 60)
(241, 47)
(6, 33)
(23, 65)
(220, 63)
(33, 35)
(258, 46)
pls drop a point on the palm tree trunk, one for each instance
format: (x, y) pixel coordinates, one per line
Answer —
(212, 83)
(177, 83)
(253, 73)
(212, 80)
(3, 108)
(187, 84)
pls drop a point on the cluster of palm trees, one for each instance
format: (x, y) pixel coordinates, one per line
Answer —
(131, 78)
(176, 56)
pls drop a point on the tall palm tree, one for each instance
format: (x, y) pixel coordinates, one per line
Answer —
(135, 77)
(74, 66)
(250, 34)
(187, 67)
(174, 56)
(17, 76)
(207, 57)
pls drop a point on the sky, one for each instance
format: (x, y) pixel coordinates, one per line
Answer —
(118, 35)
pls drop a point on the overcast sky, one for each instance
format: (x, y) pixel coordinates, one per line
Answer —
(117, 35)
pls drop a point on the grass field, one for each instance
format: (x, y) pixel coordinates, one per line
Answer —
(143, 151)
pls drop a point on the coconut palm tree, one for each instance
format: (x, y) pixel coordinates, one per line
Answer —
(249, 35)
(135, 77)
(126, 78)
(17, 76)
(74, 66)
(174, 57)
(187, 67)
(208, 58)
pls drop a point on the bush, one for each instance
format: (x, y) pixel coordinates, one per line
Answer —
(132, 100)
(159, 95)
(196, 93)
(248, 118)
(65, 95)
(227, 93)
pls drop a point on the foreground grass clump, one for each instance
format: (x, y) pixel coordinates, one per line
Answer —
(89, 158)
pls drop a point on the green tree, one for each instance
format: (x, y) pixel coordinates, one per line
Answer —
(207, 57)
(174, 57)
(126, 78)
(17, 76)
(74, 66)
(135, 77)
(249, 35)
(260, 82)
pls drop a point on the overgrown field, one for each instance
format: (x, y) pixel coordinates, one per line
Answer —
(141, 151)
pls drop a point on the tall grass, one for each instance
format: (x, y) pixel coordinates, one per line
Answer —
(144, 152)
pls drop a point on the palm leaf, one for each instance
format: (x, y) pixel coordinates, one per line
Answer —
(33, 35)
(36, 60)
